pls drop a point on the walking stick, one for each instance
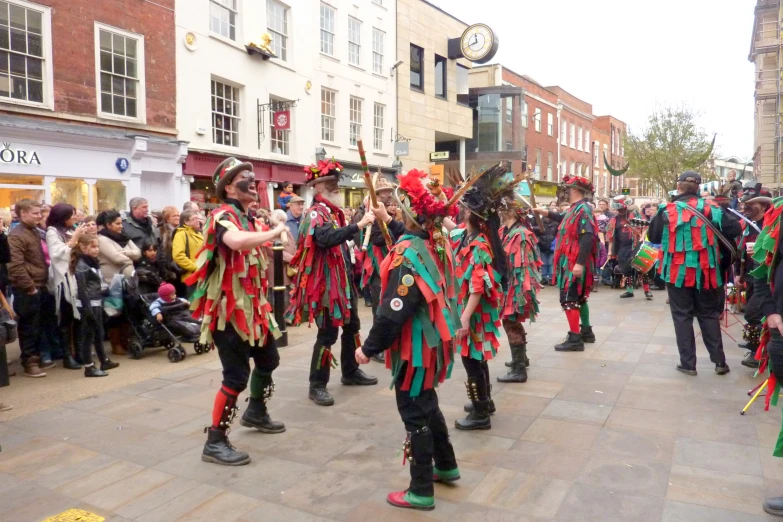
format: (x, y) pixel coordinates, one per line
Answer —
(533, 198)
(371, 189)
(755, 396)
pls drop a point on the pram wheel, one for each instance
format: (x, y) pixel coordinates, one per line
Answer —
(198, 348)
(169, 344)
(136, 349)
(176, 355)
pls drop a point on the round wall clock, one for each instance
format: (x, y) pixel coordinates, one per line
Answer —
(479, 43)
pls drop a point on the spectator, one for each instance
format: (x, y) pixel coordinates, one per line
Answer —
(85, 268)
(294, 213)
(186, 245)
(61, 238)
(90, 226)
(603, 206)
(168, 225)
(545, 239)
(148, 270)
(138, 225)
(45, 210)
(79, 216)
(5, 251)
(14, 218)
(190, 205)
(28, 274)
(285, 196)
(116, 253)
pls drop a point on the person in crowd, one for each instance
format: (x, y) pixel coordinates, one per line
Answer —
(285, 196)
(45, 210)
(49, 339)
(79, 216)
(691, 269)
(28, 274)
(5, 250)
(170, 221)
(138, 225)
(186, 245)
(61, 238)
(84, 266)
(294, 214)
(14, 218)
(149, 272)
(545, 239)
(576, 255)
(365, 292)
(323, 263)
(167, 294)
(190, 205)
(734, 188)
(604, 207)
(116, 254)
(622, 245)
(90, 225)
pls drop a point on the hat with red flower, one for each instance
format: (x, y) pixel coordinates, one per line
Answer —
(578, 182)
(423, 202)
(325, 170)
(226, 172)
(621, 202)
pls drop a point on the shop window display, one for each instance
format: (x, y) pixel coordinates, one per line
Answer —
(108, 195)
(71, 191)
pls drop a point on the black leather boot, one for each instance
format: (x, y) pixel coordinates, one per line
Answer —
(518, 372)
(469, 405)
(108, 364)
(321, 396)
(572, 343)
(217, 448)
(478, 419)
(750, 360)
(774, 506)
(94, 371)
(256, 416)
(69, 363)
(626, 295)
(587, 334)
(359, 378)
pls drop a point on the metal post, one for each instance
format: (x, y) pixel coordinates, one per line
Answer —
(278, 294)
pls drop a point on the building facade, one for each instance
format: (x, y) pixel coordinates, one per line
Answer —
(615, 155)
(601, 177)
(575, 125)
(323, 82)
(88, 101)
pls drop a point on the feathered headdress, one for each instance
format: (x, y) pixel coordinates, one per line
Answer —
(489, 190)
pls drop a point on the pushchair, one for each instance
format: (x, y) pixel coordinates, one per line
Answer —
(147, 332)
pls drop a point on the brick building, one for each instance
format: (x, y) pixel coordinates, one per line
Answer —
(576, 119)
(615, 153)
(88, 89)
(601, 177)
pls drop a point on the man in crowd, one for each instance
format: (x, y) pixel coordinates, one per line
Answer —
(603, 206)
(28, 274)
(323, 285)
(138, 225)
(294, 214)
(690, 266)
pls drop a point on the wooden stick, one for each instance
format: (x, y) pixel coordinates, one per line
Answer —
(373, 198)
(7, 306)
(533, 198)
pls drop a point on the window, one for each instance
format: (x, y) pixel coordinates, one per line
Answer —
(327, 30)
(225, 114)
(378, 38)
(328, 114)
(564, 168)
(573, 168)
(549, 166)
(223, 18)
(509, 110)
(573, 136)
(277, 25)
(440, 77)
(564, 133)
(22, 60)
(463, 90)
(579, 139)
(550, 124)
(524, 115)
(280, 142)
(587, 140)
(354, 41)
(120, 58)
(537, 119)
(538, 164)
(509, 146)
(417, 68)
(595, 155)
(355, 117)
(377, 126)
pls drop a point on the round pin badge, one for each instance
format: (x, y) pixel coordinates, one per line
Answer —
(396, 304)
(397, 262)
(407, 280)
(402, 290)
(400, 249)
(313, 214)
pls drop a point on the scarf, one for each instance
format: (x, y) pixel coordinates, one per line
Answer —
(335, 211)
(121, 239)
(145, 223)
(92, 262)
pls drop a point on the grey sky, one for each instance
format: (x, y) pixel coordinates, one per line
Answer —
(627, 57)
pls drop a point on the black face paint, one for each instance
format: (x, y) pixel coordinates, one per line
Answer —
(244, 186)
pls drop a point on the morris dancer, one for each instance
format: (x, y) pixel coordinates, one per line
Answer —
(323, 285)
(520, 303)
(623, 242)
(240, 323)
(416, 320)
(575, 259)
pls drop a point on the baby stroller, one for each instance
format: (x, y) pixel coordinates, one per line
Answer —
(178, 326)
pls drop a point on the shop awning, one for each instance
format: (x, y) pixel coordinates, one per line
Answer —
(203, 165)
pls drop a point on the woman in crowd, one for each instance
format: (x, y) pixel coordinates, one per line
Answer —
(186, 245)
(116, 254)
(61, 238)
(90, 226)
(168, 226)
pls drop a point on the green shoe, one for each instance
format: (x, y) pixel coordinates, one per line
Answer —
(449, 475)
(406, 499)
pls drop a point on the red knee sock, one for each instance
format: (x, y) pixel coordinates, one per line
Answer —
(646, 287)
(573, 319)
(224, 397)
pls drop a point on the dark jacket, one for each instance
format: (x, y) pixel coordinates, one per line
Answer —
(546, 236)
(90, 286)
(149, 275)
(293, 225)
(139, 231)
(27, 269)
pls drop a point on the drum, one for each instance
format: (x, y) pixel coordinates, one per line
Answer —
(645, 257)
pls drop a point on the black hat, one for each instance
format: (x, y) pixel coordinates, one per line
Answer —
(690, 175)
(226, 172)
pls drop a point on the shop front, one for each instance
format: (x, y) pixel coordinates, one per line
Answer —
(91, 168)
(352, 183)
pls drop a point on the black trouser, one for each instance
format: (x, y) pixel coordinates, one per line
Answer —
(235, 357)
(428, 434)
(68, 338)
(28, 310)
(478, 372)
(375, 292)
(757, 292)
(775, 350)
(49, 336)
(327, 336)
(91, 335)
(707, 307)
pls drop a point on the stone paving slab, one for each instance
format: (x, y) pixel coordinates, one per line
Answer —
(612, 433)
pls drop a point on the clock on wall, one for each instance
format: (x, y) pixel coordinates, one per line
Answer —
(478, 43)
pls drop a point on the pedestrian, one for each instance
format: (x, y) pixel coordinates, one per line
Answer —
(138, 225)
(605, 208)
(91, 289)
(294, 215)
(413, 276)
(149, 273)
(575, 258)
(233, 269)
(690, 262)
(545, 239)
(324, 287)
(185, 247)
(285, 196)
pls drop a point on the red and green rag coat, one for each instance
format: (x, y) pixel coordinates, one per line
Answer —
(524, 279)
(690, 255)
(322, 284)
(576, 221)
(372, 260)
(231, 285)
(475, 274)
(425, 342)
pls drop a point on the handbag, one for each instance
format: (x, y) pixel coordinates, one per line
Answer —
(112, 303)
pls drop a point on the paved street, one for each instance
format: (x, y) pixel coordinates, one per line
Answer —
(610, 434)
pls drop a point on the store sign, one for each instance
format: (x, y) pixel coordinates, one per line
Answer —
(282, 120)
(18, 156)
(439, 156)
(401, 148)
(122, 165)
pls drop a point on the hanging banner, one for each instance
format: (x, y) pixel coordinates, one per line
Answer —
(282, 120)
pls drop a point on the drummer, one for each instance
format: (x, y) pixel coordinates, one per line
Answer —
(623, 242)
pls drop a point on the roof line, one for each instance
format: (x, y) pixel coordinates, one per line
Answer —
(444, 12)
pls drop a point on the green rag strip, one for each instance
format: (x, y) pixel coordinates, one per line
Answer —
(584, 314)
(416, 500)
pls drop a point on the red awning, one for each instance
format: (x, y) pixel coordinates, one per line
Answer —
(203, 165)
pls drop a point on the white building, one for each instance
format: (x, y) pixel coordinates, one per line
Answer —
(332, 72)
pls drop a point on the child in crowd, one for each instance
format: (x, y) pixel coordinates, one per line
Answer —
(91, 289)
(175, 311)
(285, 196)
(148, 270)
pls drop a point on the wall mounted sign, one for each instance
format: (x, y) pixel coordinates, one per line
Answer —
(282, 120)
(122, 165)
(439, 156)
(401, 148)
(18, 156)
